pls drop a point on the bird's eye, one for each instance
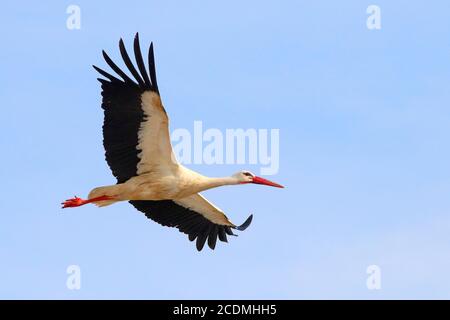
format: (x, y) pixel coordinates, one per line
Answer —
(248, 174)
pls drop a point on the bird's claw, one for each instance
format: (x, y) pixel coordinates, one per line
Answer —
(74, 202)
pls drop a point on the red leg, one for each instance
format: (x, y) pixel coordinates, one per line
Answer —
(77, 202)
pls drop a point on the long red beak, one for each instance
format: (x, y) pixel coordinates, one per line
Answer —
(259, 180)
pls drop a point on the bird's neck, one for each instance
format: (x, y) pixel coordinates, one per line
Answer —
(210, 182)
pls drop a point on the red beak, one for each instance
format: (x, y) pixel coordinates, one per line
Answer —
(259, 180)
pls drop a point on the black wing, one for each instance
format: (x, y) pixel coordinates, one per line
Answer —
(123, 112)
(195, 225)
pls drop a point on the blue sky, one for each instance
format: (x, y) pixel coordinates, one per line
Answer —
(364, 149)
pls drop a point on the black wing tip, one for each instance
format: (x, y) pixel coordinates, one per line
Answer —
(200, 242)
(222, 234)
(98, 69)
(245, 225)
(143, 81)
(152, 68)
(212, 236)
(121, 45)
(140, 63)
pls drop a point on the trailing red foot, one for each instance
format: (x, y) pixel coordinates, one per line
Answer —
(76, 202)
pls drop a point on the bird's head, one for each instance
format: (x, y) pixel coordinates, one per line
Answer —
(248, 177)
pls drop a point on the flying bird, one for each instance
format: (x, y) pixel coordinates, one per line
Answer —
(139, 153)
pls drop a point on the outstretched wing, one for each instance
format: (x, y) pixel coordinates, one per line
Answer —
(135, 128)
(194, 216)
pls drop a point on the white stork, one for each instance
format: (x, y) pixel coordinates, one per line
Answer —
(138, 151)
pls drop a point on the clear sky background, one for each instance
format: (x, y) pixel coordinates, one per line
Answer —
(364, 127)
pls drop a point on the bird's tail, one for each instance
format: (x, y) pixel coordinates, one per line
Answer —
(110, 191)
